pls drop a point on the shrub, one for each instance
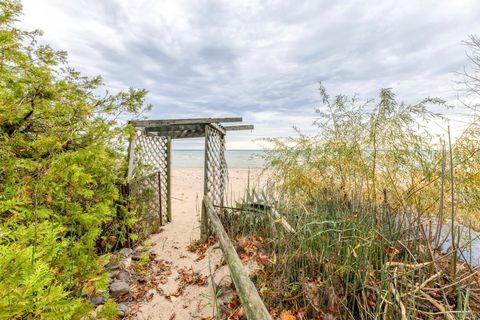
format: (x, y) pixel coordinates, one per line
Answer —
(61, 161)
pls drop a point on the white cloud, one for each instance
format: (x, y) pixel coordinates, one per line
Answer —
(261, 60)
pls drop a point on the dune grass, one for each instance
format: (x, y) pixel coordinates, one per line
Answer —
(364, 197)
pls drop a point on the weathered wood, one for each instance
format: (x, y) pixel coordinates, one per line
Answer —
(252, 303)
(203, 218)
(160, 123)
(218, 127)
(271, 211)
(178, 134)
(282, 221)
(159, 177)
(159, 155)
(239, 127)
(169, 179)
(131, 156)
(178, 131)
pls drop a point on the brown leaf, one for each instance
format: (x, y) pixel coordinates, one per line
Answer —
(262, 259)
(333, 305)
(287, 315)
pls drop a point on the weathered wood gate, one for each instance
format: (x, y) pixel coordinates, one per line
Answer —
(149, 168)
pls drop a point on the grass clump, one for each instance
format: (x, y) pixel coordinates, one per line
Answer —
(360, 196)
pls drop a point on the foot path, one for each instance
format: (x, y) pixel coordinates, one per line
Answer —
(173, 299)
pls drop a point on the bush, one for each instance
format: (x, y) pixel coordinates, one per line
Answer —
(61, 161)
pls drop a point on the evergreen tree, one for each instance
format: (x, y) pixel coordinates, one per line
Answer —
(61, 161)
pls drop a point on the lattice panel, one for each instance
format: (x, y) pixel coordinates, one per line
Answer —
(150, 165)
(149, 188)
(216, 173)
(151, 153)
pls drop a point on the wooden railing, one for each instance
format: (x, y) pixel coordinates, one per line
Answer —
(251, 301)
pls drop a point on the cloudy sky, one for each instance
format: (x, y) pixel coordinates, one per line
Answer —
(261, 60)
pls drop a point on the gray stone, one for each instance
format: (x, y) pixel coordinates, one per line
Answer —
(123, 275)
(126, 252)
(126, 263)
(112, 265)
(113, 274)
(122, 309)
(119, 288)
(104, 260)
(97, 300)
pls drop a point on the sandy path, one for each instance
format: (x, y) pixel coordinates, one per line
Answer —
(196, 302)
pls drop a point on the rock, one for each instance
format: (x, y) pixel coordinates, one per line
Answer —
(112, 266)
(97, 300)
(104, 260)
(122, 309)
(123, 275)
(126, 263)
(119, 288)
(126, 252)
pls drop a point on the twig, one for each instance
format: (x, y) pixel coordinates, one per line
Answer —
(395, 293)
(437, 305)
(454, 245)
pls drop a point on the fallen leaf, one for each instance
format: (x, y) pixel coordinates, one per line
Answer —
(287, 315)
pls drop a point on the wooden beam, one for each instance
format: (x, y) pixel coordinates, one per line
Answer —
(179, 135)
(160, 123)
(176, 127)
(239, 127)
(218, 127)
(252, 303)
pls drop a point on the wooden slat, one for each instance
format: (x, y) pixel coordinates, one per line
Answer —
(178, 134)
(159, 123)
(239, 127)
(169, 179)
(252, 303)
(178, 131)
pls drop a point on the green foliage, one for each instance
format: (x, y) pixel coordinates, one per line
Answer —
(61, 162)
(364, 150)
(109, 311)
(357, 194)
(341, 264)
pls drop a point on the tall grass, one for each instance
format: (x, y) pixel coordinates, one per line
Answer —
(360, 196)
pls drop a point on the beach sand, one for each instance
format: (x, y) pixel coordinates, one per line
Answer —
(196, 302)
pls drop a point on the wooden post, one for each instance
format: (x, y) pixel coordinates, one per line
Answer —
(131, 155)
(169, 179)
(159, 177)
(252, 303)
(203, 218)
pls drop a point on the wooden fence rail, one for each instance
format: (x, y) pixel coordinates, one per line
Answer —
(252, 303)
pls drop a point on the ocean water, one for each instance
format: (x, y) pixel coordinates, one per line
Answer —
(235, 158)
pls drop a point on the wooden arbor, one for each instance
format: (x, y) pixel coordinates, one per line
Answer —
(149, 168)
